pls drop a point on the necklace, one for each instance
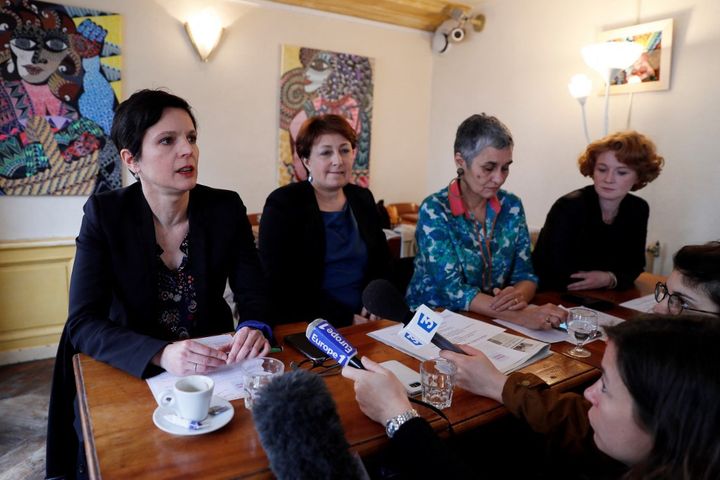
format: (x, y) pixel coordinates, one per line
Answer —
(484, 241)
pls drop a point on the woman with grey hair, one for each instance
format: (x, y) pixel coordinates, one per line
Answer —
(472, 236)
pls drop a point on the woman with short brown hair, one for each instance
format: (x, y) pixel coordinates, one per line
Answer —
(595, 237)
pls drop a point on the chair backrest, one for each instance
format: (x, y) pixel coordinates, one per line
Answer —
(403, 208)
(254, 219)
(402, 213)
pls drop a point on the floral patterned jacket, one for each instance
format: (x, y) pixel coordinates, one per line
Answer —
(453, 264)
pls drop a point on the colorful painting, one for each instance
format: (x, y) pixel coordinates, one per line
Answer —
(315, 82)
(60, 87)
(652, 70)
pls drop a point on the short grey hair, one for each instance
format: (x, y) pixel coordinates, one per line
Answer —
(478, 132)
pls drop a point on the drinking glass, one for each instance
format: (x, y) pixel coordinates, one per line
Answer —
(582, 324)
(438, 378)
(256, 373)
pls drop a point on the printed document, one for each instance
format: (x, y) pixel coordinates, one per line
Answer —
(506, 351)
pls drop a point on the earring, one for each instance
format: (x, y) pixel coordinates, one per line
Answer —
(460, 172)
(310, 179)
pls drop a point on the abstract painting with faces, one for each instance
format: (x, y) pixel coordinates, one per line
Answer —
(315, 82)
(59, 89)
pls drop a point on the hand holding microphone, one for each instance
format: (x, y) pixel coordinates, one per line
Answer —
(381, 298)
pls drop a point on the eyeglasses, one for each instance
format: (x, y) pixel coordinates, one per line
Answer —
(676, 304)
(323, 368)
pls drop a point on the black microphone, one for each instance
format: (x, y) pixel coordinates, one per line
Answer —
(382, 299)
(300, 430)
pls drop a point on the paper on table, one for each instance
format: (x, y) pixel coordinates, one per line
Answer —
(642, 304)
(228, 380)
(547, 336)
(507, 352)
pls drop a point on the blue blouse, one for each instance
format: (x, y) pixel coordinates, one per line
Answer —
(346, 258)
(453, 264)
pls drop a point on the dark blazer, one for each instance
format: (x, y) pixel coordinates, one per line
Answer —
(575, 238)
(113, 291)
(292, 250)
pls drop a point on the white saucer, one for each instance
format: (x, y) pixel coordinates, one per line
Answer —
(216, 422)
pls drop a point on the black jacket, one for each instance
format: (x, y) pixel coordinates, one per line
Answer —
(292, 250)
(113, 291)
(575, 238)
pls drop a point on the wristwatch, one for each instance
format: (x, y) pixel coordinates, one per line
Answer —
(392, 425)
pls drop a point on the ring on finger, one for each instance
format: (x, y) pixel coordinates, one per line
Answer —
(547, 319)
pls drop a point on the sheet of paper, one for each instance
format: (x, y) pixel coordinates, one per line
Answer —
(507, 352)
(547, 336)
(642, 304)
(228, 380)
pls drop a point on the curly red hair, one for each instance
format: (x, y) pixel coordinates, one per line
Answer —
(632, 149)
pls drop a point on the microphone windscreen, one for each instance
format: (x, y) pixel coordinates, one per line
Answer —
(300, 430)
(382, 299)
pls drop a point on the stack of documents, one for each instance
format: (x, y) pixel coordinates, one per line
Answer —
(506, 351)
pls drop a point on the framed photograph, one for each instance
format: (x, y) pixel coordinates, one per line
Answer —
(652, 70)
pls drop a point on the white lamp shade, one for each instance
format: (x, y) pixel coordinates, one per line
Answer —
(580, 85)
(606, 56)
(205, 31)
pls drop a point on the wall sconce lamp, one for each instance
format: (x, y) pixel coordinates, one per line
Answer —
(205, 31)
(605, 58)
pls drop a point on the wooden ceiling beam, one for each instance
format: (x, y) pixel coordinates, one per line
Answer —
(419, 14)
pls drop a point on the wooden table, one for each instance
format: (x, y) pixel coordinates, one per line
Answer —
(122, 441)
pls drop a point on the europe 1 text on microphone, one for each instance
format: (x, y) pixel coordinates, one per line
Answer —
(326, 338)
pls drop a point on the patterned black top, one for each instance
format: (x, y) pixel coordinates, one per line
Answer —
(176, 302)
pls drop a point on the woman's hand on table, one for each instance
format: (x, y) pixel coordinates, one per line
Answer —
(364, 317)
(476, 373)
(247, 343)
(590, 280)
(189, 357)
(508, 298)
(378, 392)
(542, 317)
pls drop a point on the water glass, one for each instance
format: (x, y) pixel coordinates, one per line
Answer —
(438, 378)
(582, 324)
(256, 373)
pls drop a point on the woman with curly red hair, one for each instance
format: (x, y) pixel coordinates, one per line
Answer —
(594, 237)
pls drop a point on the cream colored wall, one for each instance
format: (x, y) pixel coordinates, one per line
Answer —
(235, 96)
(518, 69)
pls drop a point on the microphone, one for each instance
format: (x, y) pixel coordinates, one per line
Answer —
(328, 340)
(382, 299)
(300, 430)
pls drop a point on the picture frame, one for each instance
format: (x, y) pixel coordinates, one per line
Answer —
(653, 68)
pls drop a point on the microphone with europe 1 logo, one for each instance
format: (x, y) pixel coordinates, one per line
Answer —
(382, 299)
(328, 340)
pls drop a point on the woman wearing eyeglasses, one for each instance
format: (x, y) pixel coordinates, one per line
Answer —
(594, 237)
(472, 236)
(694, 284)
(653, 414)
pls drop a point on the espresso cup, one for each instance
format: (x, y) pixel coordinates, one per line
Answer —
(190, 397)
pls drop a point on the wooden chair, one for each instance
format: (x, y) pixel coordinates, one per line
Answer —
(254, 219)
(403, 212)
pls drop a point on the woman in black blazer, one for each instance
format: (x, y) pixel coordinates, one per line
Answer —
(321, 240)
(151, 266)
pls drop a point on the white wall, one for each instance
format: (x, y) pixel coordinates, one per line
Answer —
(235, 97)
(518, 69)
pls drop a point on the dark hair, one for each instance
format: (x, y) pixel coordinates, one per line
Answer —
(700, 267)
(671, 367)
(478, 132)
(138, 113)
(632, 149)
(313, 127)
